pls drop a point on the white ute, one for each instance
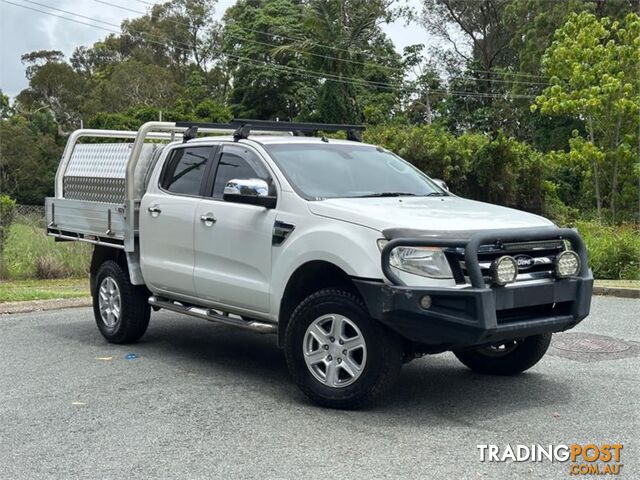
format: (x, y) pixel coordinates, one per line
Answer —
(355, 259)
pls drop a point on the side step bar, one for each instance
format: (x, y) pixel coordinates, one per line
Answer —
(212, 316)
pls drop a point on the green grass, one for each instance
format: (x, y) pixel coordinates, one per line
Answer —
(24, 290)
(29, 253)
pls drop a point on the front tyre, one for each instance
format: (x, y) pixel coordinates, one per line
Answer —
(508, 357)
(121, 310)
(337, 354)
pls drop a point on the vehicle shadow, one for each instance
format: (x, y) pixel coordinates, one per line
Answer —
(435, 390)
(439, 389)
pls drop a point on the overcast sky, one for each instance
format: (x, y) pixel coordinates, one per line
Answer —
(23, 30)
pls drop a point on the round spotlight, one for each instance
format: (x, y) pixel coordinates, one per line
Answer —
(504, 270)
(425, 302)
(567, 264)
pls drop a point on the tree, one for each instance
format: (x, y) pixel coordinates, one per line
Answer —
(424, 91)
(98, 58)
(38, 58)
(343, 39)
(481, 22)
(594, 67)
(177, 32)
(480, 54)
(136, 84)
(54, 86)
(5, 107)
(28, 161)
(266, 84)
(494, 53)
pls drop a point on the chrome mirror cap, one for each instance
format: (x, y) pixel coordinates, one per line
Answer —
(252, 191)
(253, 187)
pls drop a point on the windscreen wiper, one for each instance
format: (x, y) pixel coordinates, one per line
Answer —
(437, 194)
(387, 194)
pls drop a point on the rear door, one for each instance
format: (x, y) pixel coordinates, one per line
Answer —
(233, 252)
(167, 215)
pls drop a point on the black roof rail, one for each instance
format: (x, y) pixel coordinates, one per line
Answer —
(243, 127)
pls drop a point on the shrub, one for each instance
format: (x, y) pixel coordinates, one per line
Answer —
(29, 253)
(432, 149)
(500, 170)
(614, 252)
(7, 212)
(48, 266)
(510, 173)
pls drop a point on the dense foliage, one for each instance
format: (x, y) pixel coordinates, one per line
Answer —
(613, 251)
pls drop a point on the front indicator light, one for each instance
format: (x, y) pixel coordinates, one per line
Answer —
(567, 264)
(504, 270)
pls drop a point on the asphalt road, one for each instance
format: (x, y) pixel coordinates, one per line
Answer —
(203, 401)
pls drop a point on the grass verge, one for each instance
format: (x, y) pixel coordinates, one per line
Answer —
(25, 290)
(618, 283)
(30, 254)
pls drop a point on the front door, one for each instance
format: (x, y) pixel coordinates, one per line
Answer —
(167, 216)
(232, 240)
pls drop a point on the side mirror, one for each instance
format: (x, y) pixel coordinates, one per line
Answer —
(441, 184)
(252, 191)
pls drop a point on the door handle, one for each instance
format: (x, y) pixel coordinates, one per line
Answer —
(154, 210)
(208, 219)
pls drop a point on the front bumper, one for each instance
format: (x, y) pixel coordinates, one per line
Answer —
(480, 314)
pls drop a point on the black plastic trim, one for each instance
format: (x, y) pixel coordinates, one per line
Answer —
(480, 314)
(465, 317)
(485, 237)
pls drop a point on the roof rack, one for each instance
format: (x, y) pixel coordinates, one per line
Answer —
(243, 127)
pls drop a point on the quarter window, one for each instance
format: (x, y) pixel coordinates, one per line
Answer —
(185, 170)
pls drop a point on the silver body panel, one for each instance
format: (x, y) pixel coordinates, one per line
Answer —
(85, 218)
(97, 172)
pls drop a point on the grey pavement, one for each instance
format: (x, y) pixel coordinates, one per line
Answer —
(205, 401)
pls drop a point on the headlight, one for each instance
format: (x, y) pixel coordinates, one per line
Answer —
(504, 270)
(424, 261)
(567, 264)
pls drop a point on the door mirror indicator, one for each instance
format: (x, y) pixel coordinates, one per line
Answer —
(252, 191)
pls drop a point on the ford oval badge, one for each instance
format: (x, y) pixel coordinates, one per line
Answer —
(524, 262)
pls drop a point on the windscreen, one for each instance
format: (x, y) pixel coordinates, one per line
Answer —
(319, 171)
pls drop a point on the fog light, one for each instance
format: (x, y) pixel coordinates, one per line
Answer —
(425, 302)
(504, 270)
(567, 264)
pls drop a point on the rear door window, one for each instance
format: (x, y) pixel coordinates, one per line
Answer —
(185, 170)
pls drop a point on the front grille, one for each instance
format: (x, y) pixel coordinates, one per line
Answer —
(541, 253)
(523, 314)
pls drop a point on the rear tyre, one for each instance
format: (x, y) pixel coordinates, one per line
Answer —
(337, 354)
(121, 310)
(506, 358)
